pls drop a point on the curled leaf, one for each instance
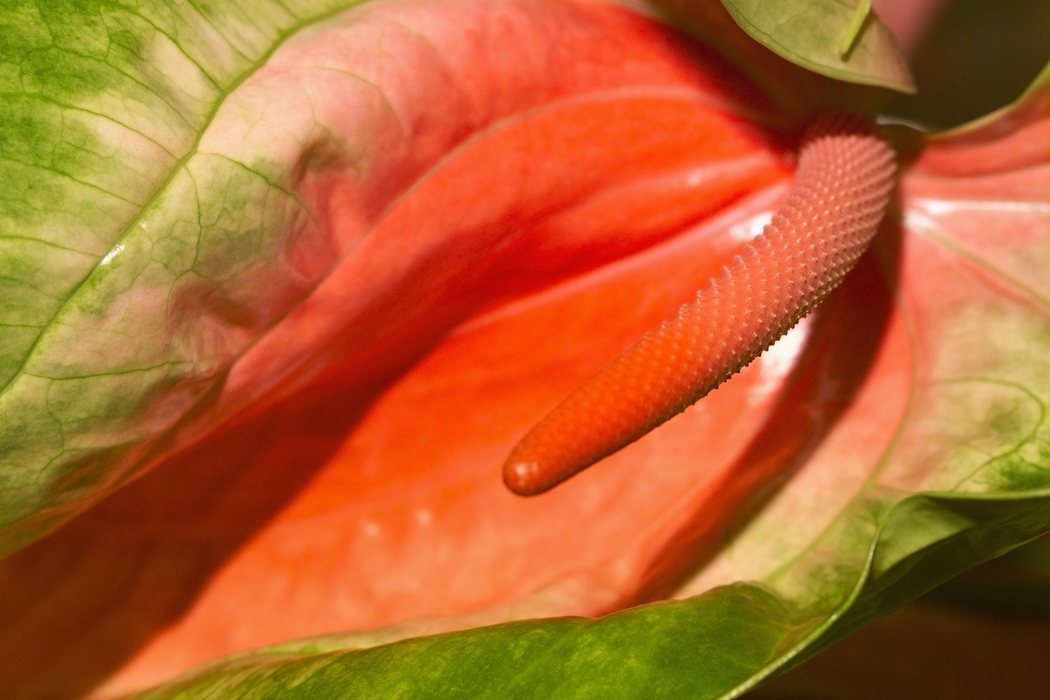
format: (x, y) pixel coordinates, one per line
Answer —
(830, 37)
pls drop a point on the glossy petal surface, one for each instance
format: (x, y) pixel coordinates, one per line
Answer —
(404, 235)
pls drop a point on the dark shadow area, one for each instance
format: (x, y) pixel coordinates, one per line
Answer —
(976, 57)
(1018, 583)
(926, 651)
(848, 332)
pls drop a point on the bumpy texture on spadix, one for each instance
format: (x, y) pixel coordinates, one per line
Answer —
(842, 186)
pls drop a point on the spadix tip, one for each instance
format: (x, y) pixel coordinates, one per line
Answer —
(525, 478)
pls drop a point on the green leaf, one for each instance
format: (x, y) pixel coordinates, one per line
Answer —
(112, 215)
(837, 38)
(716, 645)
(795, 86)
(692, 649)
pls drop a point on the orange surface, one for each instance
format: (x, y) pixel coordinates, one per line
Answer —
(362, 486)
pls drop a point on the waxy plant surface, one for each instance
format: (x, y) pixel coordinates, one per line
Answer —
(283, 286)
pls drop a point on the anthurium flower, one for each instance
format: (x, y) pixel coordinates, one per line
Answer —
(287, 283)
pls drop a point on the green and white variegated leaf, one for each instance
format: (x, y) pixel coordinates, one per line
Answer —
(122, 206)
